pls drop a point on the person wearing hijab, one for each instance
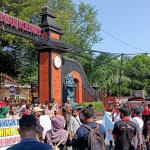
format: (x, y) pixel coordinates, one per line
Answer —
(57, 134)
(3, 111)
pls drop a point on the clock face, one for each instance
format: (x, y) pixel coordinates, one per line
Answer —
(57, 62)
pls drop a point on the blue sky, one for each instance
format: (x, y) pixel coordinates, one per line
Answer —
(127, 20)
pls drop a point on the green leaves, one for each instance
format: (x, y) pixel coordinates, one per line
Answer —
(79, 22)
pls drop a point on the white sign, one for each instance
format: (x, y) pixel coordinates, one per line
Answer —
(9, 133)
(45, 122)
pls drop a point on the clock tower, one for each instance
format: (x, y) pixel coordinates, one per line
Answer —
(50, 59)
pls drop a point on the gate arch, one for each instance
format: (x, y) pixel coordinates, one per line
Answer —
(4, 79)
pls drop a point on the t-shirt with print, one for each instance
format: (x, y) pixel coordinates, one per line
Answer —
(124, 130)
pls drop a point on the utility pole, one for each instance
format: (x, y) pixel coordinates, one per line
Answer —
(121, 72)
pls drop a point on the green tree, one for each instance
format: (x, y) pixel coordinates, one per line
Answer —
(140, 71)
(79, 22)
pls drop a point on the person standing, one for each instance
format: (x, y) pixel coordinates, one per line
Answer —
(37, 112)
(27, 130)
(116, 113)
(58, 135)
(9, 103)
(136, 139)
(49, 111)
(17, 107)
(80, 141)
(12, 114)
(111, 109)
(39, 103)
(146, 126)
(3, 111)
(28, 110)
(68, 109)
(54, 106)
(45, 106)
(22, 107)
(75, 122)
(124, 131)
(136, 115)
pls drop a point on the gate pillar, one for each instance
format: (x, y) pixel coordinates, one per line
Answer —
(50, 59)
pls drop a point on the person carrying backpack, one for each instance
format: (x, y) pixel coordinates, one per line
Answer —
(90, 136)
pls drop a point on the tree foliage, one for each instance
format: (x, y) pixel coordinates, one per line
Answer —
(79, 22)
(18, 58)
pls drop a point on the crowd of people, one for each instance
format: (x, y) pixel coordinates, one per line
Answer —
(131, 127)
(78, 130)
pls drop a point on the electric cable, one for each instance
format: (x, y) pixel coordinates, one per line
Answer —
(123, 41)
(105, 63)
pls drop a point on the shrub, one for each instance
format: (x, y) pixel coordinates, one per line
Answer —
(98, 106)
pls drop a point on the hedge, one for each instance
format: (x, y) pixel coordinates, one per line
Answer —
(98, 106)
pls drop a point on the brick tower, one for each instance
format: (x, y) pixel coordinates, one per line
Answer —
(50, 59)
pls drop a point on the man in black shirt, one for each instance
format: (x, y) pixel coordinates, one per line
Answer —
(124, 130)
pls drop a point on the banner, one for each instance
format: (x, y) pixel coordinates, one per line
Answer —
(9, 134)
(109, 125)
(45, 122)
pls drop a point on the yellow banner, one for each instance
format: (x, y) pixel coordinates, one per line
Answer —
(9, 131)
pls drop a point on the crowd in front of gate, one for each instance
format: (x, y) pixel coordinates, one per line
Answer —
(78, 130)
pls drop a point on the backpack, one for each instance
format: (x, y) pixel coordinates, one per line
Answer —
(95, 138)
(55, 146)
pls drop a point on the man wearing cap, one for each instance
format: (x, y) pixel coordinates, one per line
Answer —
(37, 112)
(49, 111)
(68, 109)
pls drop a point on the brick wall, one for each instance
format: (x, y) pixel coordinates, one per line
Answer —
(56, 83)
(44, 76)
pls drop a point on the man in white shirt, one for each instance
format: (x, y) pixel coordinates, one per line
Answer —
(136, 115)
(116, 113)
(54, 106)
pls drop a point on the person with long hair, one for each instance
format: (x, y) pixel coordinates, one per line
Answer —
(58, 135)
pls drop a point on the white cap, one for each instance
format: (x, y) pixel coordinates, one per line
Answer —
(37, 109)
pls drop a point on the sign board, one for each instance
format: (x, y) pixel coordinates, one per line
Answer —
(12, 89)
(9, 134)
(109, 125)
(19, 24)
(45, 122)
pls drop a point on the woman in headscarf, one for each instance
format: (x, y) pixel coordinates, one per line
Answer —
(57, 135)
(3, 111)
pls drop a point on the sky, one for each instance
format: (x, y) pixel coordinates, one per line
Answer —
(126, 20)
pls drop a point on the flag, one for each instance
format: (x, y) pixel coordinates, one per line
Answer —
(109, 125)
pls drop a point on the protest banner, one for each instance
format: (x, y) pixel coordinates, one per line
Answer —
(9, 134)
(109, 125)
(45, 122)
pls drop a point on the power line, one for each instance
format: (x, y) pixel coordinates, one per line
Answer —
(102, 52)
(109, 64)
(124, 42)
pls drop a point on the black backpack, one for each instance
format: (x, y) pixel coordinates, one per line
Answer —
(95, 138)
